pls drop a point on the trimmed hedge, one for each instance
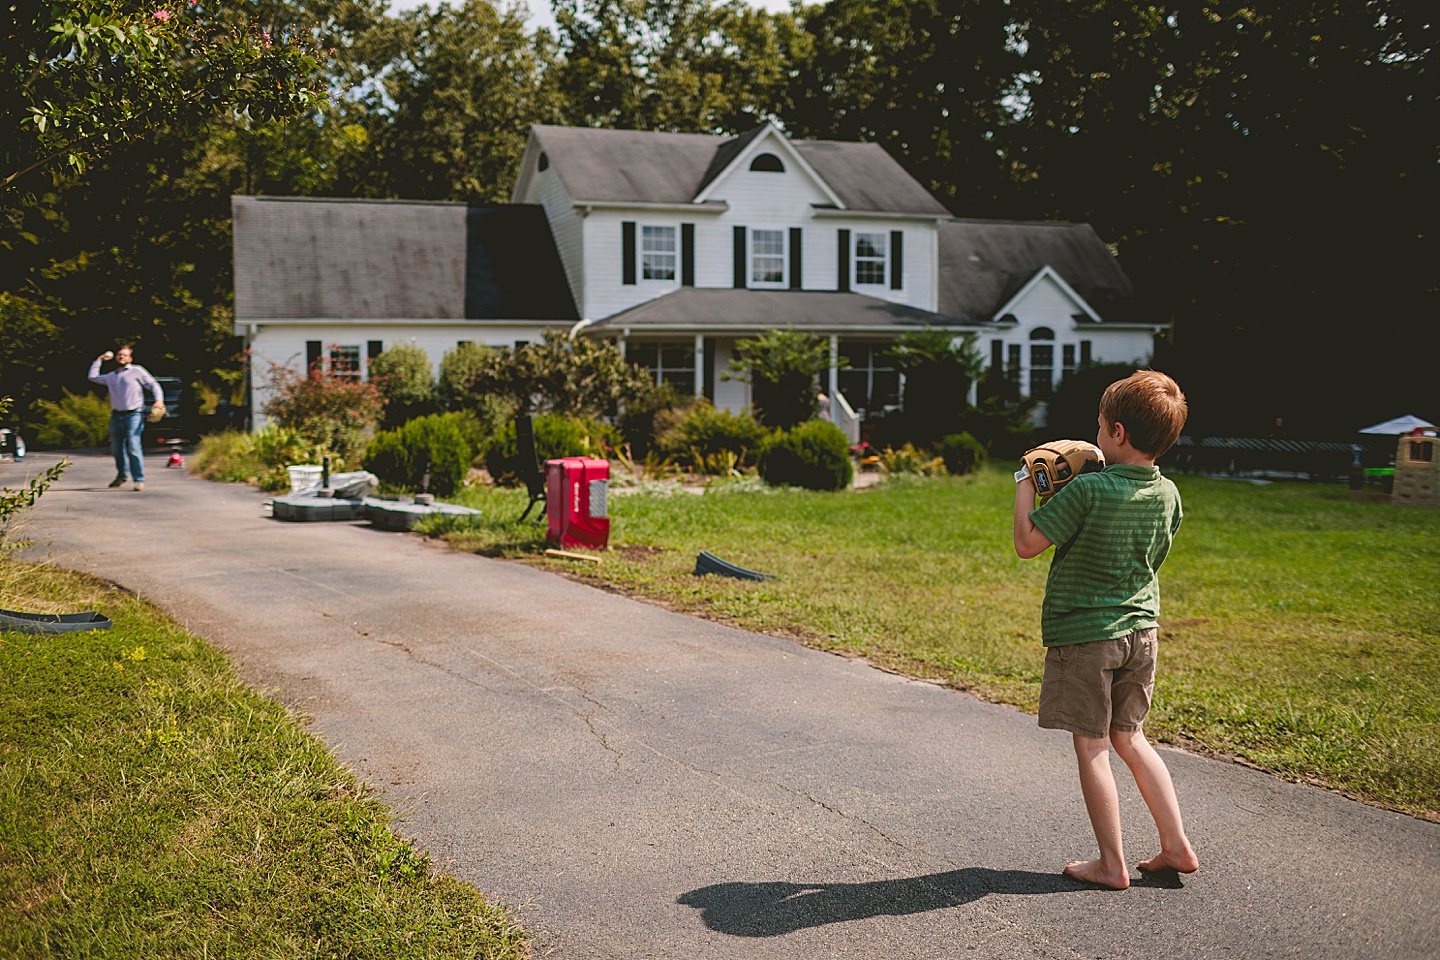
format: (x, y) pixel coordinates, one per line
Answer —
(961, 453)
(813, 455)
(399, 457)
(555, 436)
(702, 431)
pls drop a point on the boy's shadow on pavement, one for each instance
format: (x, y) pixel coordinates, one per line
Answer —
(775, 909)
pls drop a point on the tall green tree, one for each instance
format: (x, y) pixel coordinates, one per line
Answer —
(1261, 170)
(449, 116)
(81, 76)
(687, 66)
(136, 247)
(783, 369)
(927, 80)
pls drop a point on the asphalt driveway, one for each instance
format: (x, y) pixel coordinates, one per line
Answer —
(645, 784)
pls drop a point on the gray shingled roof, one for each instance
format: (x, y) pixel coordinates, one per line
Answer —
(381, 259)
(983, 263)
(697, 308)
(637, 166)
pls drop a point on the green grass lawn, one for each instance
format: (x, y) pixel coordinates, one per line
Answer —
(153, 806)
(1300, 631)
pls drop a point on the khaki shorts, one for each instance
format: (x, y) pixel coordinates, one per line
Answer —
(1102, 685)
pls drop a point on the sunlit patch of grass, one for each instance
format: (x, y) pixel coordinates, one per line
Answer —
(153, 806)
(1299, 632)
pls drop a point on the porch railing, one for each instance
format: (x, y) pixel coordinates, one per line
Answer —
(844, 416)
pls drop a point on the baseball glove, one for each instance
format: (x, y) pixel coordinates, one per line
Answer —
(1054, 464)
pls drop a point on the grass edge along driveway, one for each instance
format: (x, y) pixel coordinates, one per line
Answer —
(1299, 629)
(151, 805)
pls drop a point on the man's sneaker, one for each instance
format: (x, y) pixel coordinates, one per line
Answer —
(118, 481)
(139, 486)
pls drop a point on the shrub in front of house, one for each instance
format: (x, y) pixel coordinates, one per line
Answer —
(435, 444)
(555, 436)
(402, 375)
(77, 420)
(911, 460)
(813, 455)
(703, 436)
(961, 453)
(330, 410)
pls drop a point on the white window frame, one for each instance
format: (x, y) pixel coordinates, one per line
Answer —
(656, 259)
(883, 260)
(756, 257)
(661, 371)
(344, 360)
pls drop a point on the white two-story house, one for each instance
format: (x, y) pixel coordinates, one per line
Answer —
(676, 246)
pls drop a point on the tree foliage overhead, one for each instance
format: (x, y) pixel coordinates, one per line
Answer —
(1266, 174)
(83, 75)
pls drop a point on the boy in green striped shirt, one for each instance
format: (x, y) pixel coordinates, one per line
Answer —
(1099, 620)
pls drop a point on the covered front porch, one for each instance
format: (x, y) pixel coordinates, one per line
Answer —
(688, 338)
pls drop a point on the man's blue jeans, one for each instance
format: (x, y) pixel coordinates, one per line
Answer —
(125, 427)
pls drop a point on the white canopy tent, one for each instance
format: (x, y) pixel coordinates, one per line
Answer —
(1399, 425)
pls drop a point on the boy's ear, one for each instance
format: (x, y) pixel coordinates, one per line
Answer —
(1119, 433)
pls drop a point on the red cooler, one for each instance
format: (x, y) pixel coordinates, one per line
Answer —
(575, 501)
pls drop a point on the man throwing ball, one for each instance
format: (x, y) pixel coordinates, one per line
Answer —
(1099, 619)
(127, 384)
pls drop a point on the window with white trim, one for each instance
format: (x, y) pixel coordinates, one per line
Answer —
(657, 253)
(870, 250)
(345, 361)
(669, 361)
(767, 257)
(868, 382)
(1042, 363)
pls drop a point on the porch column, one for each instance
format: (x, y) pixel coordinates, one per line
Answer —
(834, 370)
(699, 365)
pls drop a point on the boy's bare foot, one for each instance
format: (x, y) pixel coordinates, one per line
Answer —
(1094, 871)
(1181, 861)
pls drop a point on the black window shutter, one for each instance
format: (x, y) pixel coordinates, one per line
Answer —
(687, 254)
(312, 356)
(1084, 353)
(374, 348)
(740, 258)
(997, 355)
(708, 373)
(897, 259)
(842, 279)
(795, 259)
(627, 241)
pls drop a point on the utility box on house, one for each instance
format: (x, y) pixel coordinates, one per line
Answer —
(575, 502)
(1417, 471)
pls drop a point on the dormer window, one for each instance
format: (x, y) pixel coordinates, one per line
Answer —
(767, 163)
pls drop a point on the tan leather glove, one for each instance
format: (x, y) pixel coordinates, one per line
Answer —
(1054, 464)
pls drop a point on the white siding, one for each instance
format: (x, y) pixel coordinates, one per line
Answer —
(757, 201)
(284, 345)
(1048, 305)
(732, 395)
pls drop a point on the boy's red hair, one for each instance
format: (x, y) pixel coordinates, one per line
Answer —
(1152, 408)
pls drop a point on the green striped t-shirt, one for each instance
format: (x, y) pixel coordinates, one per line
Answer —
(1111, 531)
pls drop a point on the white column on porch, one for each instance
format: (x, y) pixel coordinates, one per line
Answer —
(834, 388)
(699, 365)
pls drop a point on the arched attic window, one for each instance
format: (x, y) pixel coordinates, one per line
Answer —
(767, 163)
(544, 163)
(1042, 363)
